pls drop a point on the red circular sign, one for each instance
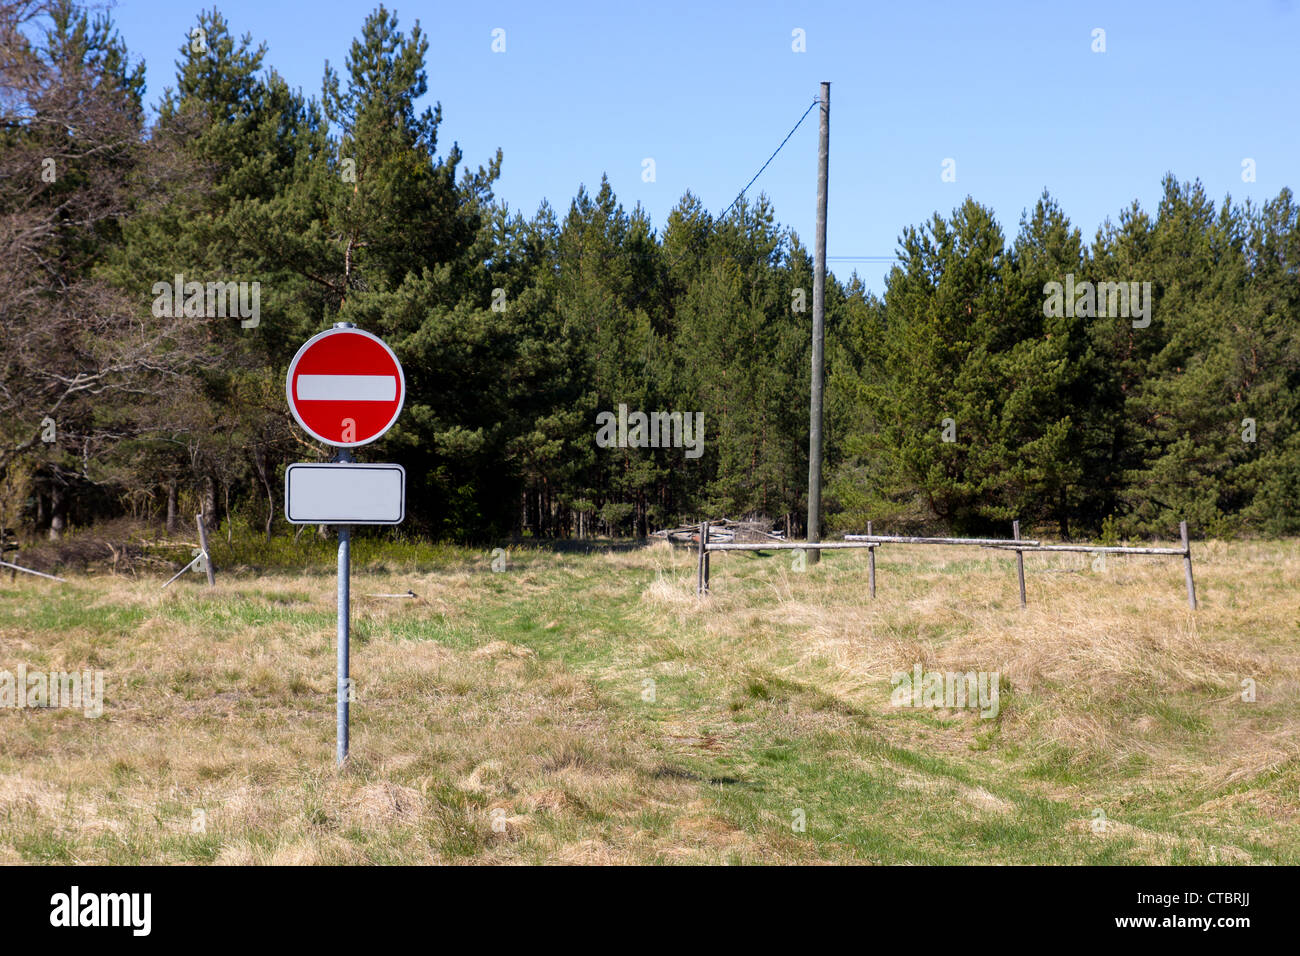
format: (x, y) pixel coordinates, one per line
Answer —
(345, 387)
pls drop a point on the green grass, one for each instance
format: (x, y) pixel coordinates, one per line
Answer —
(603, 714)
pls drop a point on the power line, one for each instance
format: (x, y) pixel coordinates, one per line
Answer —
(815, 101)
(689, 245)
(740, 195)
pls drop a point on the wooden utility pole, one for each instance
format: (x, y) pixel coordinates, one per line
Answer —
(819, 333)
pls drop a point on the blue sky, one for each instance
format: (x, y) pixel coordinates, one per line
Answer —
(1012, 92)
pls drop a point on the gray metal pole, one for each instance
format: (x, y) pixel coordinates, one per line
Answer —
(344, 687)
(1187, 565)
(1020, 561)
(819, 332)
(871, 564)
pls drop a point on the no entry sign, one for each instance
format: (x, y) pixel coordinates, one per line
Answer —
(345, 387)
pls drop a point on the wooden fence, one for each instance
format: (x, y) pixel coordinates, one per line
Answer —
(872, 541)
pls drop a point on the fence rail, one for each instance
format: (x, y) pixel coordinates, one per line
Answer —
(39, 574)
(872, 541)
(976, 542)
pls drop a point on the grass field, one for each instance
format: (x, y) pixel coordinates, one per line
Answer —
(588, 708)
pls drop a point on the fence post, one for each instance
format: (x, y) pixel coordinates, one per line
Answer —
(1020, 561)
(9, 547)
(203, 546)
(700, 582)
(871, 563)
(1187, 565)
(706, 557)
(699, 560)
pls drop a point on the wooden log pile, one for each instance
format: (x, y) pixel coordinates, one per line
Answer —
(723, 530)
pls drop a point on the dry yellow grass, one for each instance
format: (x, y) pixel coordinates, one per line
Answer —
(591, 709)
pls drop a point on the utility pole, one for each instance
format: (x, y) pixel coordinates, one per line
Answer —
(819, 333)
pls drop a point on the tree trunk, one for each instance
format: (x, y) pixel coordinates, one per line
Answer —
(209, 502)
(171, 506)
(262, 471)
(270, 514)
(58, 512)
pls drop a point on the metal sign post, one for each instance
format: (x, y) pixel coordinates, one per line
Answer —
(344, 689)
(345, 388)
(344, 680)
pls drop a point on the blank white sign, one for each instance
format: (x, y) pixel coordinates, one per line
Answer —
(344, 493)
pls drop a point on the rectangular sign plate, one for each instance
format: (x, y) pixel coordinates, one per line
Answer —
(344, 493)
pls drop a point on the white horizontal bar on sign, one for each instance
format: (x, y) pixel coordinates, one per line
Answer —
(344, 494)
(346, 388)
